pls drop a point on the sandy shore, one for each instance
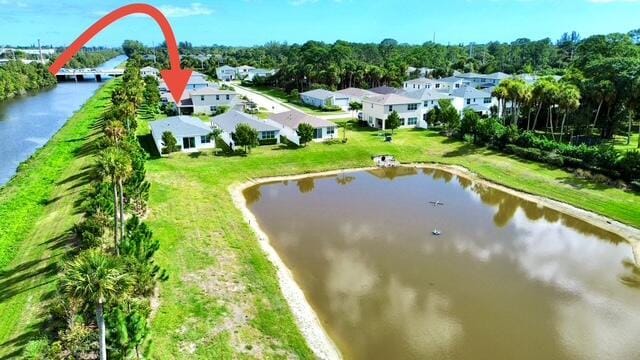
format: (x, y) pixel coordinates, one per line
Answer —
(306, 318)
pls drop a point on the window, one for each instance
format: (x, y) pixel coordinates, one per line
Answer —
(205, 139)
(188, 143)
(412, 107)
(227, 97)
(268, 135)
(457, 86)
(213, 108)
(390, 108)
(201, 97)
(318, 134)
(437, 86)
(487, 100)
(468, 101)
(432, 102)
(217, 97)
(412, 121)
(426, 103)
(401, 121)
(331, 131)
(372, 106)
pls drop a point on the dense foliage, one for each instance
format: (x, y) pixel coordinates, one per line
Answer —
(17, 78)
(91, 59)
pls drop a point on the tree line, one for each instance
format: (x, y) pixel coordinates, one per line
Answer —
(17, 78)
(102, 305)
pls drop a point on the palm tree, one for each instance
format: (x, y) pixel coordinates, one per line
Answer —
(501, 93)
(115, 165)
(568, 100)
(114, 131)
(95, 279)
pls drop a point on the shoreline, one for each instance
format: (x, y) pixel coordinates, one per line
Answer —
(306, 318)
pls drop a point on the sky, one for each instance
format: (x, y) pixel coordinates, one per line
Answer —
(255, 22)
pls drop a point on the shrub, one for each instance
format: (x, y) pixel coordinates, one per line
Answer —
(268, 141)
(629, 165)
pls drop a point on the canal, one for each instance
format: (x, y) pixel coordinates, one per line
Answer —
(506, 279)
(28, 122)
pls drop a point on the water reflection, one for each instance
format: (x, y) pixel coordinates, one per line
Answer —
(305, 185)
(507, 279)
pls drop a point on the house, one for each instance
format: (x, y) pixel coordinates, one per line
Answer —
(451, 83)
(321, 98)
(355, 94)
(420, 83)
(468, 97)
(324, 129)
(255, 73)
(207, 100)
(384, 90)
(481, 81)
(190, 132)
(197, 81)
(376, 109)
(423, 71)
(268, 132)
(243, 71)
(226, 73)
(430, 99)
(149, 71)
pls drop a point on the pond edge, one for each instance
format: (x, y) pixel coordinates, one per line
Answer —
(306, 318)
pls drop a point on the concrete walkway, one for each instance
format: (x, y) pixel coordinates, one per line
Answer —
(276, 106)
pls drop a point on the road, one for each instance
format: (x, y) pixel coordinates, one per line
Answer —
(277, 106)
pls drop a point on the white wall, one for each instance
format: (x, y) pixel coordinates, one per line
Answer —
(202, 103)
(157, 138)
(372, 111)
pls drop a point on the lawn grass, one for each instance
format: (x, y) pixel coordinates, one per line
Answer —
(620, 142)
(38, 207)
(204, 235)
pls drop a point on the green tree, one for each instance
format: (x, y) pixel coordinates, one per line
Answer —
(246, 136)
(392, 122)
(131, 47)
(96, 280)
(305, 132)
(449, 116)
(170, 143)
(469, 124)
(354, 107)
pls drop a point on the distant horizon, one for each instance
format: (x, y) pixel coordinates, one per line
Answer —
(252, 23)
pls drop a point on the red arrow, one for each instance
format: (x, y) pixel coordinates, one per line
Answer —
(176, 78)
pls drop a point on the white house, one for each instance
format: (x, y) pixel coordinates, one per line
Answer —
(197, 81)
(324, 129)
(420, 83)
(321, 98)
(243, 71)
(355, 94)
(149, 71)
(468, 97)
(376, 109)
(482, 81)
(256, 73)
(207, 100)
(450, 83)
(191, 133)
(226, 73)
(429, 99)
(227, 122)
(384, 90)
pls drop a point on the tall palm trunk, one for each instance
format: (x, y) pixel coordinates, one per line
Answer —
(121, 209)
(553, 135)
(597, 115)
(115, 216)
(102, 330)
(564, 118)
(535, 120)
(516, 109)
(528, 116)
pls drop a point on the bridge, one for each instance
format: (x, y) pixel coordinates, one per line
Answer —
(82, 74)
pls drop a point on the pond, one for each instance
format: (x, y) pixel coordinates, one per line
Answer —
(506, 279)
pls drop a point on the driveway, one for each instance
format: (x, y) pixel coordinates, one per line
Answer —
(277, 106)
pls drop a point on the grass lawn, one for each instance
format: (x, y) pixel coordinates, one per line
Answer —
(279, 94)
(620, 142)
(37, 209)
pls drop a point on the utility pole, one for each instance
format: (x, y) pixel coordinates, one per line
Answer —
(40, 51)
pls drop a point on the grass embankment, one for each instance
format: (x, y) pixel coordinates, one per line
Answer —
(288, 100)
(207, 247)
(38, 207)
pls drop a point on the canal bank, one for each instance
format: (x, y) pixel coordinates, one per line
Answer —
(28, 122)
(38, 208)
(305, 315)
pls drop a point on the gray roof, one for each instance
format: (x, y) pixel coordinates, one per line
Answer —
(469, 92)
(319, 94)
(450, 79)
(427, 94)
(180, 126)
(225, 67)
(294, 118)
(211, 91)
(355, 92)
(228, 121)
(383, 90)
(390, 99)
(421, 80)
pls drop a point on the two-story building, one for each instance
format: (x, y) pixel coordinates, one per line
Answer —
(208, 100)
(226, 73)
(468, 97)
(429, 99)
(243, 71)
(376, 109)
(482, 81)
(149, 71)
